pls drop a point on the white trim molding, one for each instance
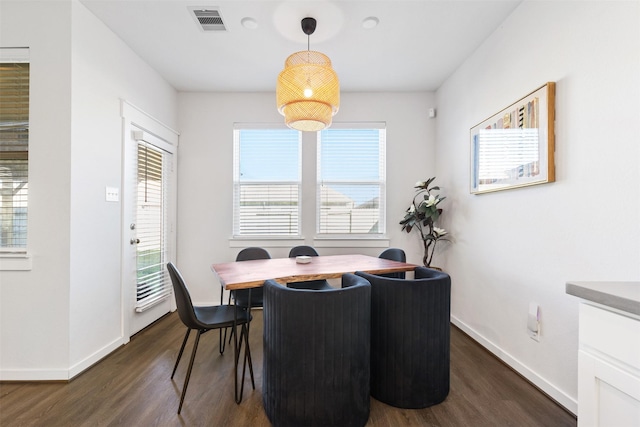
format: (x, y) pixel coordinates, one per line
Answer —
(533, 377)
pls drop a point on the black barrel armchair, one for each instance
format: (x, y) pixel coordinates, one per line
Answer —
(410, 338)
(316, 354)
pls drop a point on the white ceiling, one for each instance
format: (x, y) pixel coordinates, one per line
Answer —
(416, 45)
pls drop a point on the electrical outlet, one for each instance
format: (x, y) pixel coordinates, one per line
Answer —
(112, 194)
(533, 322)
(535, 335)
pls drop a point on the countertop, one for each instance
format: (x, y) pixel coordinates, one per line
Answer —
(623, 296)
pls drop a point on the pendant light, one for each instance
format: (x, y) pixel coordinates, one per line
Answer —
(308, 90)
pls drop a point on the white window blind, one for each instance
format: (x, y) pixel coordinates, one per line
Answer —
(351, 180)
(14, 149)
(153, 284)
(266, 180)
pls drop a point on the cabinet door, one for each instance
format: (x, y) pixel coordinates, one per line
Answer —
(609, 396)
(608, 369)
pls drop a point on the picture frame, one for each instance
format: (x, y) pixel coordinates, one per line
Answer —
(515, 147)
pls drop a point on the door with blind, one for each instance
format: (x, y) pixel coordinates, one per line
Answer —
(148, 221)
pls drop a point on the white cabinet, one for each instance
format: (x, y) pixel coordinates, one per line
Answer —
(608, 367)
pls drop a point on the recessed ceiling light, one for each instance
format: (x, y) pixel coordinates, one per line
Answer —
(249, 23)
(370, 22)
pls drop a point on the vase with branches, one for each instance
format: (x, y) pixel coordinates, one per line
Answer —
(422, 215)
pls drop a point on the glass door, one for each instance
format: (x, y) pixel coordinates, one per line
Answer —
(148, 223)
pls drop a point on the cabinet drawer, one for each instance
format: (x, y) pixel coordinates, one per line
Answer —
(609, 333)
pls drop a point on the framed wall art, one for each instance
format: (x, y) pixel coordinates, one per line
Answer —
(515, 147)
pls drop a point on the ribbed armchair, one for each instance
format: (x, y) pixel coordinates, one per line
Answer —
(410, 336)
(316, 354)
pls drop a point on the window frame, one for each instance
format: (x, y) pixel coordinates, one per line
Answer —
(308, 214)
(237, 234)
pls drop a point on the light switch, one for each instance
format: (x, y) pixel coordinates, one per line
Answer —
(112, 194)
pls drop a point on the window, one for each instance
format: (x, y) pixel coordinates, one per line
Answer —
(153, 283)
(14, 149)
(351, 180)
(267, 180)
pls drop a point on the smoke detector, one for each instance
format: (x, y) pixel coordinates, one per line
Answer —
(208, 18)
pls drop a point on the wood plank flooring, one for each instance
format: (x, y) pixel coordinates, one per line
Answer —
(132, 387)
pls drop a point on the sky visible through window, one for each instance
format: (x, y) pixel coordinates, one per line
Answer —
(351, 156)
(269, 155)
(346, 155)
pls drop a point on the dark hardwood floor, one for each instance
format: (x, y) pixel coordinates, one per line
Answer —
(132, 387)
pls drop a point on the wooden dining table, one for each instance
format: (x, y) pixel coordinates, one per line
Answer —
(253, 273)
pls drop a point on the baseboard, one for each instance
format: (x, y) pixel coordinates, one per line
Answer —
(60, 374)
(545, 386)
(88, 362)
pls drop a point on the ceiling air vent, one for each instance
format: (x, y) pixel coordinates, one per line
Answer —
(209, 19)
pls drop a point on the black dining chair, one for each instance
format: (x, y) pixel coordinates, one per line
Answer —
(394, 254)
(410, 338)
(309, 284)
(241, 296)
(204, 319)
(316, 354)
(246, 298)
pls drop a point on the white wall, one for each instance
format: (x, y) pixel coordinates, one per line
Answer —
(205, 173)
(34, 305)
(105, 71)
(65, 313)
(517, 246)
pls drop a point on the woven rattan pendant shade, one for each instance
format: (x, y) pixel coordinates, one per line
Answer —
(308, 91)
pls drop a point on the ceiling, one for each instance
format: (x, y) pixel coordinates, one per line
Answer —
(416, 45)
